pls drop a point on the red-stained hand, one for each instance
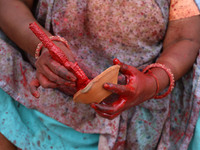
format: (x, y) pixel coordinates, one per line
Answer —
(139, 88)
(51, 74)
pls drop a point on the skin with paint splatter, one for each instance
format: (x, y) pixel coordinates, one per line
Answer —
(182, 9)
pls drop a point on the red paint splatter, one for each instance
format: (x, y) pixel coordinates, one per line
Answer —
(174, 4)
(49, 138)
(14, 142)
(35, 94)
(149, 123)
(44, 4)
(179, 137)
(80, 34)
(23, 74)
(154, 33)
(186, 114)
(38, 143)
(175, 119)
(7, 79)
(119, 144)
(56, 22)
(25, 95)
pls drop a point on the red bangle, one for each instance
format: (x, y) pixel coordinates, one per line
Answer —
(169, 73)
(53, 38)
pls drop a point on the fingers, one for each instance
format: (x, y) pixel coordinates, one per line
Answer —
(110, 111)
(44, 82)
(52, 76)
(68, 90)
(105, 115)
(33, 88)
(61, 71)
(54, 71)
(122, 90)
(124, 68)
(122, 79)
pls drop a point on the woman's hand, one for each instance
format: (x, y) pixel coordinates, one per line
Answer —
(139, 88)
(51, 74)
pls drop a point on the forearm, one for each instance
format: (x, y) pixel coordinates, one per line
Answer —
(15, 17)
(179, 58)
(180, 50)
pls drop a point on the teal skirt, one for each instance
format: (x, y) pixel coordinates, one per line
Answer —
(195, 143)
(29, 129)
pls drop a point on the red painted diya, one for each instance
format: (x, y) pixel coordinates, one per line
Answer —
(94, 91)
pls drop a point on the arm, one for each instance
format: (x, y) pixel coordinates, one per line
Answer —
(180, 49)
(15, 17)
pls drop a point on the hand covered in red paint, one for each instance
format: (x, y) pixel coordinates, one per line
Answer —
(51, 74)
(139, 88)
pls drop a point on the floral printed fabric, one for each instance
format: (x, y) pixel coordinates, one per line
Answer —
(98, 31)
(183, 9)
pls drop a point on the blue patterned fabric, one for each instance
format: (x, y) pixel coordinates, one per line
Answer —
(24, 126)
(195, 145)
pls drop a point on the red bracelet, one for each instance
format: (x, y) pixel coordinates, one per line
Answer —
(53, 38)
(169, 73)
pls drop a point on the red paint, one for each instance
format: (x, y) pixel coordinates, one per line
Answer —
(58, 55)
(25, 95)
(80, 34)
(175, 119)
(38, 143)
(56, 22)
(44, 4)
(149, 124)
(119, 144)
(49, 138)
(65, 20)
(180, 136)
(23, 74)
(36, 94)
(7, 79)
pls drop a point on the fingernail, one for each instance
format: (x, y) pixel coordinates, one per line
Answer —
(106, 85)
(116, 61)
(93, 105)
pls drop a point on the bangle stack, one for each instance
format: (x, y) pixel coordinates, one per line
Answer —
(53, 38)
(169, 73)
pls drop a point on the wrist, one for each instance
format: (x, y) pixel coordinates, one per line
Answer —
(166, 80)
(58, 41)
(152, 85)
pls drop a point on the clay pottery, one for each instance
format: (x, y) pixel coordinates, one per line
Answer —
(94, 91)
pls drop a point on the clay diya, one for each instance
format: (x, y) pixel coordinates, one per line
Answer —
(94, 91)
